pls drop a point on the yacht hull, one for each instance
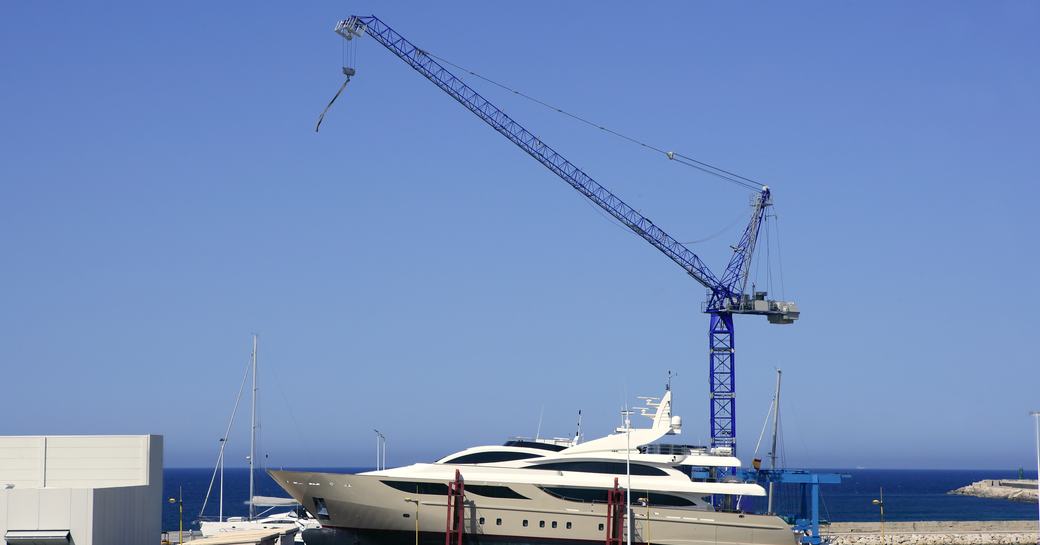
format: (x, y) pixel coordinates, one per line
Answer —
(342, 536)
(365, 510)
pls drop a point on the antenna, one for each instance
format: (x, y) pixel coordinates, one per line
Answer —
(577, 434)
(541, 413)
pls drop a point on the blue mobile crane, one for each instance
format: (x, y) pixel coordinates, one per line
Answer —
(727, 295)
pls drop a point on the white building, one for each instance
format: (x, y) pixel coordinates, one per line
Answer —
(81, 489)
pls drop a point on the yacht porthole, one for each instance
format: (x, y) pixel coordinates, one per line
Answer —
(541, 524)
(568, 525)
(481, 520)
(498, 522)
(525, 523)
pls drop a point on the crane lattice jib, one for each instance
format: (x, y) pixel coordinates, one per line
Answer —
(583, 183)
(735, 278)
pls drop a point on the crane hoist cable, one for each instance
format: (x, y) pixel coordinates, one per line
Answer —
(348, 59)
(712, 236)
(769, 261)
(718, 233)
(779, 254)
(732, 177)
(742, 181)
(683, 159)
(773, 276)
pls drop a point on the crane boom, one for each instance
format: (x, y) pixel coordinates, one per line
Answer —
(525, 140)
(727, 295)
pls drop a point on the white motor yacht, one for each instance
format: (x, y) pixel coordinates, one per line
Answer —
(530, 492)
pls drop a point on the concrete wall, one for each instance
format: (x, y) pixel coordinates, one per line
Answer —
(47, 509)
(130, 515)
(103, 489)
(21, 461)
(76, 461)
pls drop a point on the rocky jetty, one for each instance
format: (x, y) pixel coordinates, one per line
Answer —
(1018, 532)
(1003, 489)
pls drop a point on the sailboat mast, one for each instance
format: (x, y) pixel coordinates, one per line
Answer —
(776, 427)
(252, 437)
(220, 517)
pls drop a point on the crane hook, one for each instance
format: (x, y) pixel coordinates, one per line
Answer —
(348, 72)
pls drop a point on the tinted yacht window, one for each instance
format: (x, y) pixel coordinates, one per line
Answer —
(613, 468)
(418, 487)
(534, 444)
(494, 491)
(599, 495)
(491, 457)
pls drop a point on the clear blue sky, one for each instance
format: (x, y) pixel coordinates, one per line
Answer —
(164, 195)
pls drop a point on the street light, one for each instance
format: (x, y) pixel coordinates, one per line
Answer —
(180, 515)
(416, 502)
(380, 449)
(1036, 417)
(881, 503)
(627, 414)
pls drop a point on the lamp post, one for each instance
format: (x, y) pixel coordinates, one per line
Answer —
(416, 502)
(380, 450)
(1036, 418)
(627, 414)
(881, 503)
(179, 500)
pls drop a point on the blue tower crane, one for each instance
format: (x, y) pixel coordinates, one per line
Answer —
(727, 295)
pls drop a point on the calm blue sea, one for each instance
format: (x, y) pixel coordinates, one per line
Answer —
(909, 495)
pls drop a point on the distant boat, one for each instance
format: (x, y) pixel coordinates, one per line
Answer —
(297, 518)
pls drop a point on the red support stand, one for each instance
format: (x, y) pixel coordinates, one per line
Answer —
(615, 515)
(456, 511)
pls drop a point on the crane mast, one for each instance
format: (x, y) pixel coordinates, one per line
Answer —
(726, 296)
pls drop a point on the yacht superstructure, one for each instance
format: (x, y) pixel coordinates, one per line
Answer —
(537, 491)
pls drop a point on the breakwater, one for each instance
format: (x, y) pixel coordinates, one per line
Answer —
(1014, 532)
(1004, 489)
